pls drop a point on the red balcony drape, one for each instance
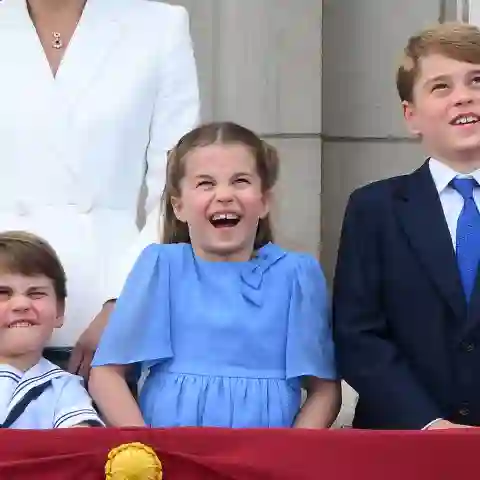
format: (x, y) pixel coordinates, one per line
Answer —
(217, 454)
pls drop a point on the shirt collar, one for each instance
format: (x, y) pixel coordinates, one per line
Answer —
(442, 174)
(43, 368)
(7, 371)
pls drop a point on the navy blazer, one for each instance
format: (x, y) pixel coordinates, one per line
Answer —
(406, 339)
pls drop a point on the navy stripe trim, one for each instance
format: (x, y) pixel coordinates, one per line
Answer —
(89, 413)
(40, 378)
(20, 407)
(11, 375)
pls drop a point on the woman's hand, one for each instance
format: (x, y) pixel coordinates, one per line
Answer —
(84, 350)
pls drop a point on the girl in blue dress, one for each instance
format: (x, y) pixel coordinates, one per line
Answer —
(227, 325)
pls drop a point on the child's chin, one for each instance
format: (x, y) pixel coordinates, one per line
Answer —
(26, 342)
(469, 144)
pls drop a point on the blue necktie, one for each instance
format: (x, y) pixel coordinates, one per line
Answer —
(468, 234)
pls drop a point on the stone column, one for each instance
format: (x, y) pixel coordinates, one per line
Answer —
(260, 65)
(364, 134)
(471, 11)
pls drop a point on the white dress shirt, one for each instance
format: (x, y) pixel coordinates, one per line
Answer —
(452, 202)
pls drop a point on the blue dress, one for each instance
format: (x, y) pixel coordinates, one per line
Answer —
(225, 343)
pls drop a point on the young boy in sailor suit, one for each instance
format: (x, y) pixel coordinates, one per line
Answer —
(35, 393)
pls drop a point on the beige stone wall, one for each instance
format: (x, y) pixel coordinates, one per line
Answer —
(261, 63)
(471, 11)
(364, 137)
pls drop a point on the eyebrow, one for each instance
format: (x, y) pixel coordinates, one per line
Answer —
(29, 289)
(446, 77)
(438, 78)
(237, 174)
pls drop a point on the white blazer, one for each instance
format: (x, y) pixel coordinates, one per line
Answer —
(75, 149)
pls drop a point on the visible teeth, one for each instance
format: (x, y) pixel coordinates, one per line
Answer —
(225, 216)
(20, 325)
(466, 119)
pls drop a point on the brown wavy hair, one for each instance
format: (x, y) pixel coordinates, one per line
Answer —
(26, 254)
(224, 133)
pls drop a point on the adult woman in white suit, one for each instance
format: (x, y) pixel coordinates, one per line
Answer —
(93, 93)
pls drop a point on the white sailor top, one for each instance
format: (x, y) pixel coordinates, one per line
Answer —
(43, 397)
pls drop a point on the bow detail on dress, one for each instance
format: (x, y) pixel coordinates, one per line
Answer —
(252, 275)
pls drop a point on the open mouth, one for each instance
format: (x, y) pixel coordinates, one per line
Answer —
(21, 324)
(225, 220)
(465, 119)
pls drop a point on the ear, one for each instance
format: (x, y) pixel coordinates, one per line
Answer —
(177, 207)
(60, 314)
(410, 115)
(267, 198)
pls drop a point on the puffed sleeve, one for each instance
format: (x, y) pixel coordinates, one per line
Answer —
(310, 349)
(74, 405)
(138, 330)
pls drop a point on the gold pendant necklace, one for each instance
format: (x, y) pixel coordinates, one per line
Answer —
(57, 41)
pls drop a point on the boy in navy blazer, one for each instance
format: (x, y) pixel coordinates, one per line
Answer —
(406, 307)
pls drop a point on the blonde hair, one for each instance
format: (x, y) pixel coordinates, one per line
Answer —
(224, 133)
(458, 41)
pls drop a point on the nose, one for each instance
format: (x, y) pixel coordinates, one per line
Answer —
(224, 193)
(463, 95)
(20, 303)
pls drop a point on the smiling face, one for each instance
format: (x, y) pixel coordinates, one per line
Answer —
(445, 110)
(32, 297)
(29, 311)
(221, 200)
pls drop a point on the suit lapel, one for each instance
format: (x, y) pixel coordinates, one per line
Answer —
(474, 305)
(95, 36)
(97, 33)
(20, 39)
(27, 82)
(24, 65)
(53, 100)
(421, 216)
